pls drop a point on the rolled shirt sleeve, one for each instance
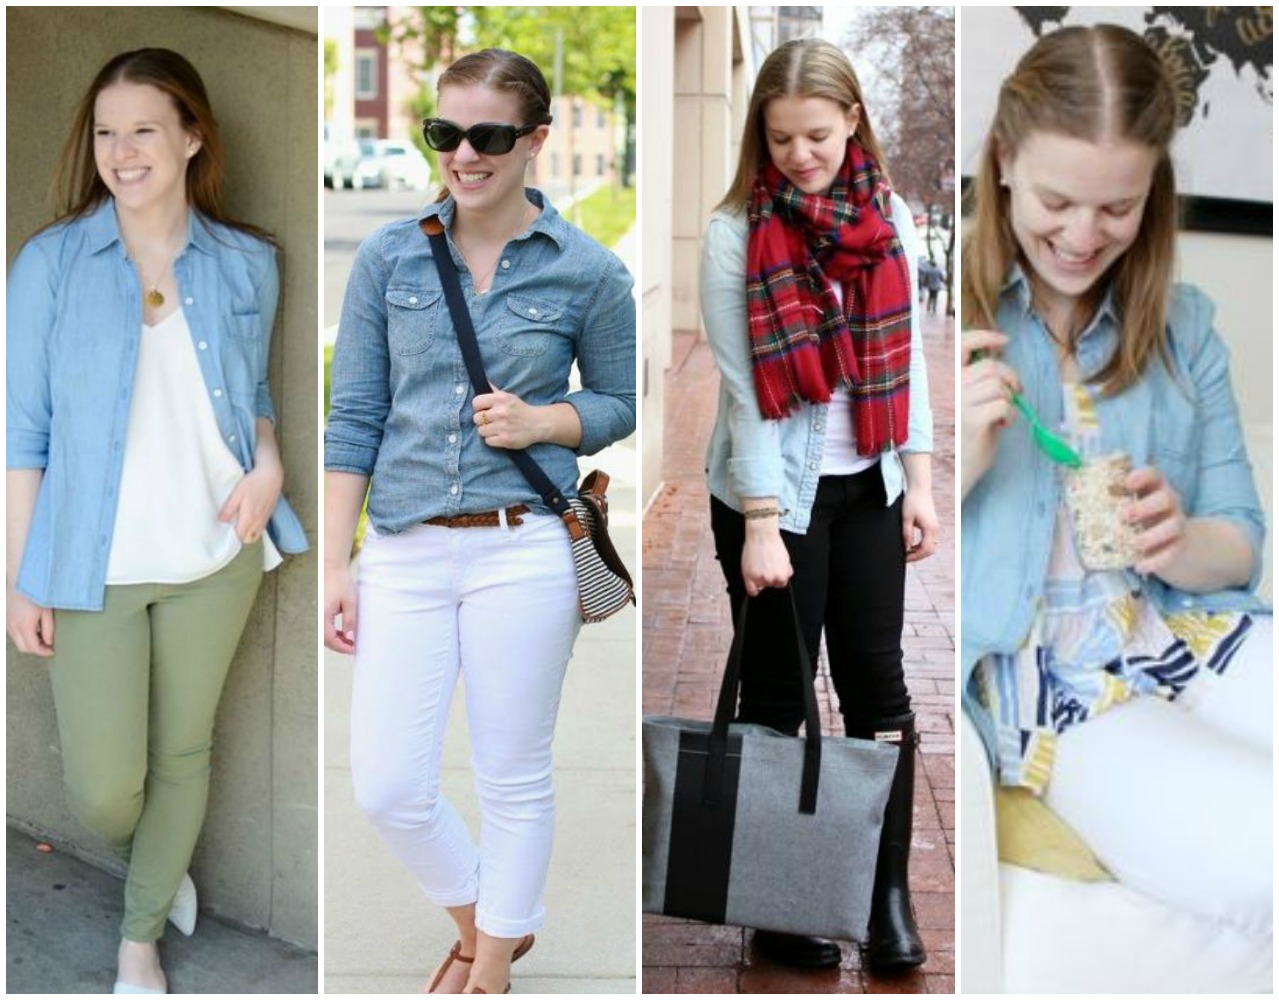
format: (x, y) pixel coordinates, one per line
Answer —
(606, 361)
(360, 397)
(919, 424)
(755, 466)
(1224, 487)
(29, 316)
(268, 300)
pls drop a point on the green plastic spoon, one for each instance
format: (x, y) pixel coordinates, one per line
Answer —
(1048, 442)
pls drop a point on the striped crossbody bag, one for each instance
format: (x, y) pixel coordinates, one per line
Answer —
(603, 585)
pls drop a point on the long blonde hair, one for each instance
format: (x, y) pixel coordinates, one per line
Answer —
(1087, 83)
(800, 68)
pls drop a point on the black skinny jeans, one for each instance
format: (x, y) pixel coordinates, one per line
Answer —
(850, 579)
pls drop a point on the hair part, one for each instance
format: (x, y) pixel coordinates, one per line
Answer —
(1091, 83)
(800, 68)
(507, 72)
(77, 188)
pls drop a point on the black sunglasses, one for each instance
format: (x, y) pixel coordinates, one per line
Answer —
(488, 138)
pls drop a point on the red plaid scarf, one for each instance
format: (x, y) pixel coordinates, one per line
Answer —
(803, 345)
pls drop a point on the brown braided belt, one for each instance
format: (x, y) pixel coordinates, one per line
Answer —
(488, 519)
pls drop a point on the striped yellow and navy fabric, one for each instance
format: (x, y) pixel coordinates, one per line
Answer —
(1096, 642)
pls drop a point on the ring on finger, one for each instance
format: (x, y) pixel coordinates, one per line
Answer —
(484, 417)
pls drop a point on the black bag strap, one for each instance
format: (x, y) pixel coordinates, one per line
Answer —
(726, 707)
(551, 495)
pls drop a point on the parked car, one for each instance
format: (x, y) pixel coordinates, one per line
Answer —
(393, 164)
(340, 159)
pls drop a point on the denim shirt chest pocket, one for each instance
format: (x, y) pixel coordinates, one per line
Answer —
(527, 325)
(412, 315)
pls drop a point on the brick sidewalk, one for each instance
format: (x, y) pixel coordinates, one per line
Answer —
(686, 638)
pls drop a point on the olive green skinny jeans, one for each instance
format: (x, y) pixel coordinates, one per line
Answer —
(136, 687)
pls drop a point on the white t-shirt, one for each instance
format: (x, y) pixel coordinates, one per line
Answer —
(839, 448)
(178, 472)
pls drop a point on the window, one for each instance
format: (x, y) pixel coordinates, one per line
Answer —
(366, 66)
(577, 115)
(601, 119)
(599, 164)
(577, 164)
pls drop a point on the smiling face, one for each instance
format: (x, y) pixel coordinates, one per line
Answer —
(480, 182)
(806, 139)
(1076, 207)
(140, 146)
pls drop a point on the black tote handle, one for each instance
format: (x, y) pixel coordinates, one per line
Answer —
(539, 480)
(717, 746)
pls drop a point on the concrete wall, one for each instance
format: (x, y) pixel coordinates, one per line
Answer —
(257, 859)
(694, 87)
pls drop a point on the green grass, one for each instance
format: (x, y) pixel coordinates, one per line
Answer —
(608, 213)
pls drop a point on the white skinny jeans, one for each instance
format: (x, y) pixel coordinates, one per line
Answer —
(1174, 797)
(499, 606)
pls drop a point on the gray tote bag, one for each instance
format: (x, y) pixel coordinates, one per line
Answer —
(746, 826)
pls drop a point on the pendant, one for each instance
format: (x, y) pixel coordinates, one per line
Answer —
(155, 298)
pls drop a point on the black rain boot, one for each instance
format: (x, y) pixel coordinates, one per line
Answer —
(797, 950)
(893, 943)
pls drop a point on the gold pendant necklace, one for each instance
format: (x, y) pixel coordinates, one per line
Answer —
(155, 297)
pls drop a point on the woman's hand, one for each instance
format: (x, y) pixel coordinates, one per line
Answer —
(30, 626)
(765, 559)
(339, 600)
(984, 401)
(250, 504)
(920, 526)
(506, 421)
(1162, 523)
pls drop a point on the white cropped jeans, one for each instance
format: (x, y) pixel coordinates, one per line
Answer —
(1174, 797)
(497, 606)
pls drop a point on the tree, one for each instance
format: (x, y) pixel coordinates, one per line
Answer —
(330, 70)
(911, 99)
(597, 47)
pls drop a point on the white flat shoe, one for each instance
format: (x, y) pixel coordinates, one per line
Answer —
(185, 904)
(130, 988)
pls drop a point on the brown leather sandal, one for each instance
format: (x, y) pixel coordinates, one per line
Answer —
(454, 955)
(521, 949)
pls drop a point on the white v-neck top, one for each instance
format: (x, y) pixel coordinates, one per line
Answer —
(839, 448)
(177, 471)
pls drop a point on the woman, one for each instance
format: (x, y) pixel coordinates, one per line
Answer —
(143, 469)
(464, 571)
(819, 466)
(1165, 666)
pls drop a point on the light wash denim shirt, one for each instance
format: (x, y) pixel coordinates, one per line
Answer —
(1184, 423)
(400, 405)
(74, 319)
(750, 456)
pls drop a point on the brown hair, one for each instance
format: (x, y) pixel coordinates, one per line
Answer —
(800, 68)
(1087, 83)
(509, 72)
(77, 189)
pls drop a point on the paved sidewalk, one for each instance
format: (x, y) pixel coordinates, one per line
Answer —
(62, 921)
(686, 633)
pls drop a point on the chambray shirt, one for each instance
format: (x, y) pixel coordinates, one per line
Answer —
(1184, 423)
(400, 404)
(750, 456)
(74, 319)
